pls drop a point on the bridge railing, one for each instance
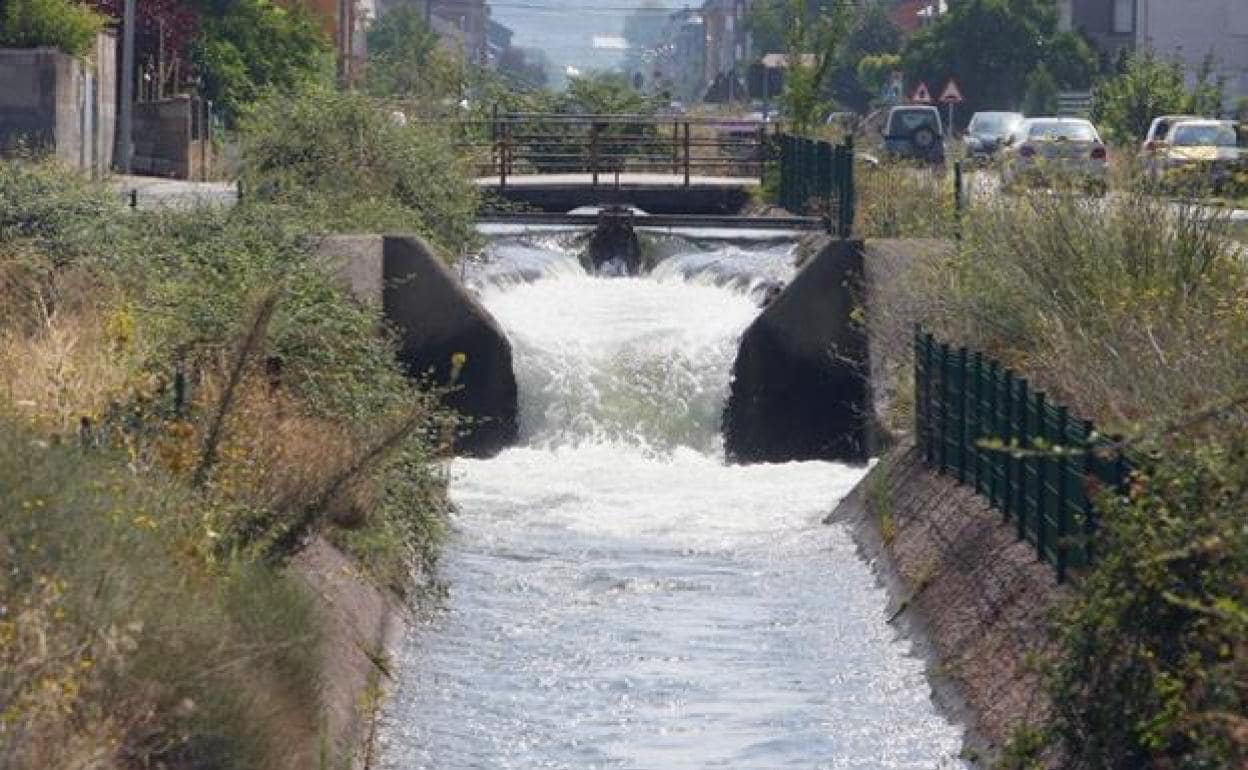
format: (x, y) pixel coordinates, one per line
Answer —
(1041, 467)
(605, 146)
(817, 178)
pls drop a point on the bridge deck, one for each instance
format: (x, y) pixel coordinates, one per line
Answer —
(626, 179)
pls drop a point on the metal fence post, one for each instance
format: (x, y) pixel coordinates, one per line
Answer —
(977, 378)
(1063, 501)
(849, 192)
(944, 408)
(962, 413)
(1089, 472)
(1023, 404)
(957, 199)
(687, 159)
(1041, 465)
(1007, 439)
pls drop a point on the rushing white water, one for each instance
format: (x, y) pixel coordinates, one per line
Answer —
(619, 597)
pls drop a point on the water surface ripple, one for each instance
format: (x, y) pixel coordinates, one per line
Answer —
(620, 597)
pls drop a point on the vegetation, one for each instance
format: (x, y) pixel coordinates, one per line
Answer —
(1147, 87)
(342, 161)
(405, 60)
(246, 47)
(62, 24)
(186, 398)
(993, 69)
(1132, 312)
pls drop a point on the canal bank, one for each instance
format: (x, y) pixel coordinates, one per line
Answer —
(974, 599)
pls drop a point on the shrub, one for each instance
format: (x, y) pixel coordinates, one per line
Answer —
(155, 626)
(1152, 659)
(63, 24)
(1150, 86)
(349, 165)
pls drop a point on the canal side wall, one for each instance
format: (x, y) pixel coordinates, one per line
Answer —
(360, 622)
(446, 337)
(800, 389)
(972, 597)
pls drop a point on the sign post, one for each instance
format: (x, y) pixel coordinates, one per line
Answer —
(951, 95)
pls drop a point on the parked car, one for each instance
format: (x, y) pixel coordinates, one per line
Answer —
(1159, 130)
(1200, 150)
(1046, 150)
(915, 132)
(986, 132)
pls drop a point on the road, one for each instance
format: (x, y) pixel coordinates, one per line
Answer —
(155, 192)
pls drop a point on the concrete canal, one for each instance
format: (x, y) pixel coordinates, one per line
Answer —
(619, 596)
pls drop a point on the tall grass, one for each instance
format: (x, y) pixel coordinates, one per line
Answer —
(1133, 310)
(185, 399)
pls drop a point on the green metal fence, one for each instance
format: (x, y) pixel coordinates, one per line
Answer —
(817, 177)
(978, 422)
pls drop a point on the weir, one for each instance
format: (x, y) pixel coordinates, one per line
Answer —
(619, 595)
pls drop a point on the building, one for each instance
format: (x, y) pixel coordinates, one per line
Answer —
(912, 15)
(727, 42)
(1192, 31)
(464, 27)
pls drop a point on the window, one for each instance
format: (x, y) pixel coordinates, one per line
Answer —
(1124, 17)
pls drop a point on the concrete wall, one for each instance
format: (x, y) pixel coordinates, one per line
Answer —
(1193, 29)
(52, 102)
(436, 320)
(170, 138)
(800, 381)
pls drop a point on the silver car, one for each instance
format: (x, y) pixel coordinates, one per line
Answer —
(1047, 149)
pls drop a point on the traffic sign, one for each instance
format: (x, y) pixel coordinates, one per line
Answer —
(952, 94)
(922, 94)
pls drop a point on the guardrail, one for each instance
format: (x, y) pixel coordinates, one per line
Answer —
(817, 177)
(603, 146)
(979, 423)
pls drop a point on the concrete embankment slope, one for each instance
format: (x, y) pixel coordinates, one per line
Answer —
(360, 622)
(963, 587)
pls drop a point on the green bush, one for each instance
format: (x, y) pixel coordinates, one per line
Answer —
(64, 24)
(347, 164)
(1151, 668)
(246, 47)
(1149, 86)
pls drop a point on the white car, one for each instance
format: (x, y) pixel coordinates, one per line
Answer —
(1200, 146)
(1045, 149)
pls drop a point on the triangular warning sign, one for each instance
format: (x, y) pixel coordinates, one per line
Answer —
(952, 94)
(922, 94)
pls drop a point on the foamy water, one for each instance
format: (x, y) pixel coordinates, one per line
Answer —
(622, 598)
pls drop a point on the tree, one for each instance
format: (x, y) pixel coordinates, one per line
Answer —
(873, 34)
(164, 33)
(874, 72)
(992, 46)
(1150, 86)
(247, 46)
(1041, 98)
(811, 39)
(406, 60)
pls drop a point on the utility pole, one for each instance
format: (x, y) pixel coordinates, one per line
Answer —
(125, 119)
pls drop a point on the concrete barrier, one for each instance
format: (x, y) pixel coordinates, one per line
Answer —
(55, 103)
(436, 320)
(800, 386)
